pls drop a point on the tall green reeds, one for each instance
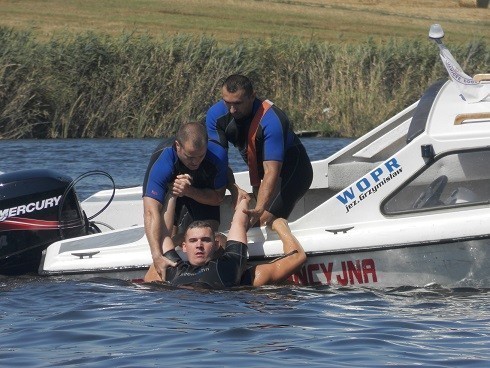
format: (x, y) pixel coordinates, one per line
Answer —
(137, 86)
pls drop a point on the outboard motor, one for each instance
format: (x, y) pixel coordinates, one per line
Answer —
(37, 208)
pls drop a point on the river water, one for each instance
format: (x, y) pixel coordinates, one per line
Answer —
(52, 322)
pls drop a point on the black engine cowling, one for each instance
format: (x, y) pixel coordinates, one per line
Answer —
(37, 208)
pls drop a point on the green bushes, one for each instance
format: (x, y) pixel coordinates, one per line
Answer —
(136, 86)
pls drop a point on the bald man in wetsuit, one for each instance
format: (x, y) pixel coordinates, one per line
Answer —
(211, 266)
(192, 169)
(279, 167)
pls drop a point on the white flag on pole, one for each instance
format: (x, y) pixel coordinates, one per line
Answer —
(471, 90)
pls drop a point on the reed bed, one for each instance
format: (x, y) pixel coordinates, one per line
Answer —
(90, 85)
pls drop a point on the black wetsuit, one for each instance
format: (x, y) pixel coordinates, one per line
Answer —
(163, 168)
(275, 141)
(225, 270)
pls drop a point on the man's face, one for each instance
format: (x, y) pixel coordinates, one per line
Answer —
(199, 245)
(238, 103)
(190, 156)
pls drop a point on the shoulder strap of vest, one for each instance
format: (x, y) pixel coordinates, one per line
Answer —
(251, 149)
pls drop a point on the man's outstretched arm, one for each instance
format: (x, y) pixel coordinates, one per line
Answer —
(280, 269)
(239, 223)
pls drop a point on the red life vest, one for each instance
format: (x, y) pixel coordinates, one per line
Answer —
(251, 149)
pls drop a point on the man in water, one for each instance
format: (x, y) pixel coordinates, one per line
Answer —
(195, 172)
(280, 169)
(211, 266)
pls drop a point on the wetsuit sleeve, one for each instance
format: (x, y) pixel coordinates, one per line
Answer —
(160, 174)
(216, 131)
(172, 272)
(274, 137)
(220, 161)
(233, 263)
(173, 256)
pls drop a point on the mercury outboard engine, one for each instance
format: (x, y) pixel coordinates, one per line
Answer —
(37, 208)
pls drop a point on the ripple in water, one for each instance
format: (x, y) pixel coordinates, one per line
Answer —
(106, 323)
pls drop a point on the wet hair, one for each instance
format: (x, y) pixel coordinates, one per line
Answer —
(193, 132)
(199, 224)
(236, 82)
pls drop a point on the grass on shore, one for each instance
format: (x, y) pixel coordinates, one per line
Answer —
(138, 68)
(136, 86)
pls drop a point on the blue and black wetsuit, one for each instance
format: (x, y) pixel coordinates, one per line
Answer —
(164, 167)
(225, 270)
(275, 141)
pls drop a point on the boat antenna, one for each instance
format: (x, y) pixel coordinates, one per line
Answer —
(436, 33)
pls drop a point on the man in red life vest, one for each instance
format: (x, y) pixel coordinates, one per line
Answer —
(280, 169)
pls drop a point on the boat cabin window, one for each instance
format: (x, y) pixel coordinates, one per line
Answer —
(457, 179)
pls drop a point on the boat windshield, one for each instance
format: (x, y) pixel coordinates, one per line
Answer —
(456, 179)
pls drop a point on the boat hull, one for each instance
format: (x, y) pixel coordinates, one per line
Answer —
(456, 264)
(460, 263)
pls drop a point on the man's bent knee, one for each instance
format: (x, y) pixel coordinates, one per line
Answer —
(152, 275)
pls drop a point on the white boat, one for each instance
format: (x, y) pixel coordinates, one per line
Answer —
(407, 204)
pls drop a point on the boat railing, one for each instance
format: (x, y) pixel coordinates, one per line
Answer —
(482, 78)
(470, 117)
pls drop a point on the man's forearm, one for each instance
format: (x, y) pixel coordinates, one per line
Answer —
(154, 235)
(207, 196)
(158, 220)
(266, 191)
